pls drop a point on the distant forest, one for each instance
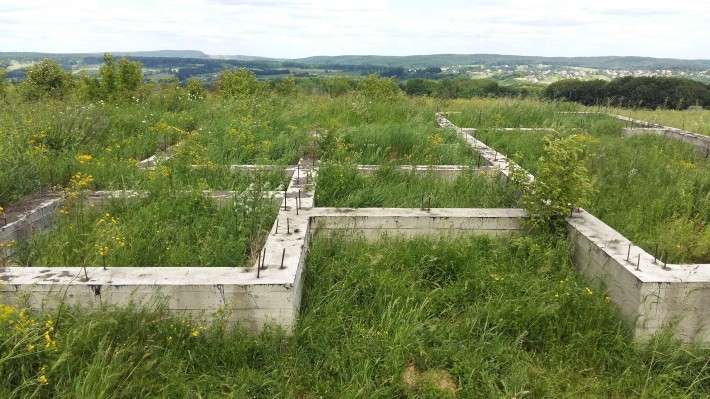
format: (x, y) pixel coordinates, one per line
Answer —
(637, 92)
(432, 81)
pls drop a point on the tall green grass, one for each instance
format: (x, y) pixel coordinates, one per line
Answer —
(495, 318)
(652, 190)
(45, 143)
(513, 113)
(343, 186)
(163, 228)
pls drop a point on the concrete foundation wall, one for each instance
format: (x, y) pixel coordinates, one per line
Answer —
(651, 295)
(685, 306)
(446, 172)
(373, 223)
(38, 219)
(246, 299)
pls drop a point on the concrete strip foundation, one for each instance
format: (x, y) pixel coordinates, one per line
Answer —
(268, 292)
(443, 171)
(373, 223)
(700, 142)
(151, 162)
(489, 156)
(649, 294)
(39, 219)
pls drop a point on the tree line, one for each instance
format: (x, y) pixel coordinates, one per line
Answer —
(635, 92)
(449, 88)
(122, 79)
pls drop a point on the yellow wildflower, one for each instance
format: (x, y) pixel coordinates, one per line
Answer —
(83, 159)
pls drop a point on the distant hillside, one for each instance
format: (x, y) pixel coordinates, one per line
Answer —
(244, 58)
(164, 53)
(439, 60)
(506, 69)
(410, 62)
(34, 56)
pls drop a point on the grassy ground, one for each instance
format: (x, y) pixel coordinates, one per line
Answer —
(343, 186)
(486, 318)
(162, 229)
(652, 190)
(46, 143)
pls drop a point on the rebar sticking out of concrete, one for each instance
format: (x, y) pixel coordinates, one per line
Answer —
(258, 263)
(665, 260)
(628, 253)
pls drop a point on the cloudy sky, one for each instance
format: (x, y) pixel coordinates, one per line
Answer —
(300, 28)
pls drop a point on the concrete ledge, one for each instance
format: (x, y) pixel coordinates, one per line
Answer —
(699, 141)
(490, 156)
(151, 162)
(443, 171)
(373, 223)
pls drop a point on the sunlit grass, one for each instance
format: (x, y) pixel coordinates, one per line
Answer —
(343, 186)
(501, 317)
(163, 228)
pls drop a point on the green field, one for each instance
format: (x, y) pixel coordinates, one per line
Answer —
(482, 317)
(344, 186)
(472, 317)
(652, 190)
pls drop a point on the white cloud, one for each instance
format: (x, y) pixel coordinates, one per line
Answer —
(297, 28)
